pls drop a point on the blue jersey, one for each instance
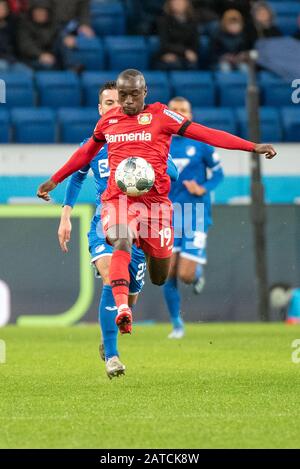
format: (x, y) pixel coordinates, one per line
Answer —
(100, 169)
(294, 305)
(193, 160)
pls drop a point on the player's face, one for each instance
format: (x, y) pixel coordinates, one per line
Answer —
(132, 94)
(183, 107)
(109, 100)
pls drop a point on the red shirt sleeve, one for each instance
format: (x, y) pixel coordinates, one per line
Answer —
(216, 138)
(80, 158)
(171, 121)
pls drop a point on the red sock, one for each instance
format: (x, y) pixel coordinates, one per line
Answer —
(119, 277)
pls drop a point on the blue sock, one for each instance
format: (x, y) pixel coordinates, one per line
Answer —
(199, 272)
(107, 315)
(172, 297)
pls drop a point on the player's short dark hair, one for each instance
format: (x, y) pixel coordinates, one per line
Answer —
(131, 73)
(109, 85)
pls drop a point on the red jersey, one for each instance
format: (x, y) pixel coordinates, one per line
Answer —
(146, 135)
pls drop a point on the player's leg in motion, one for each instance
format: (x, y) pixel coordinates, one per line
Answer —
(107, 314)
(121, 238)
(173, 300)
(189, 272)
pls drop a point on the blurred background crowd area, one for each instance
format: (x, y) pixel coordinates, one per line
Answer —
(182, 34)
(55, 54)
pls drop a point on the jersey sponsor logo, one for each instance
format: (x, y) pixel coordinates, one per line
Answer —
(216, 157)
(145, 119)
(103, 167)
(181, 163)
(176, 117)
(113, 121)
(131, 137)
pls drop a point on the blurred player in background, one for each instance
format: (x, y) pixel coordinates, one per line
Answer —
(134, 128)
(100, 250)
(193, 160)
(287, 300)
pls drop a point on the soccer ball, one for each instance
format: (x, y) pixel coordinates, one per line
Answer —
(134, 176)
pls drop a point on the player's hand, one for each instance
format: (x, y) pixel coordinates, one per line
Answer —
(64, 232)
(194, 188)
(265, 149)
(45, 188)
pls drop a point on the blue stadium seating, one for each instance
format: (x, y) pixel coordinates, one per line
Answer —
(291, 123)
(89, 52)
(285, 8)
(271, 130)
(231, 88)
(218, 118)
(33, 125)
(19, 88)
(58, 89)
(287, 25)
(153, 48)
(127, 52)
(91, 83)
(158, 87)
(198, 87)
(77, 124)
(108, 18)
(4, 126)
(275, 91)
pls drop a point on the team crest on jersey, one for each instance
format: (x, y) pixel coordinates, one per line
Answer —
(145, 118)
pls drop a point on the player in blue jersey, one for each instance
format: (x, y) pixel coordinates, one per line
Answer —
(190, 195)
(287, 300)
(100, 250)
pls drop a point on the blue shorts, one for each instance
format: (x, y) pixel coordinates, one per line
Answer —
(190, 230)
(98, 248)
(192, 248)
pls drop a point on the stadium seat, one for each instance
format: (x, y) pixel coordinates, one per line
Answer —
(58, 89)
(19, 88)
(291, 123)
(231, 88)
(285, 8)
(89, 52)
(127, 52)
(4, 126)
(197, 87)
(218, 118)
(275, 91)
(91, 83)
(108, 18)
(153, 47)
(77, 124)
(271, 130)
(33, 125)
(158, 87)
(287, 25)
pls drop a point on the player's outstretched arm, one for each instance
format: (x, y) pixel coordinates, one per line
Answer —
(219, 138)
(65, 228)
(78, 160)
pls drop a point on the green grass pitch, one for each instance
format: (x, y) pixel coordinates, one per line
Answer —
(222, 386)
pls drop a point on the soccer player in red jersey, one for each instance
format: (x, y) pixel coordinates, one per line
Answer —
(136, 129)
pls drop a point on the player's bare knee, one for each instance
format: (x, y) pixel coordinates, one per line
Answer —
(158, 280)
(186, 277)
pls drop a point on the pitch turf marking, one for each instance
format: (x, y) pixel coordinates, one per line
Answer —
(86, 293)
